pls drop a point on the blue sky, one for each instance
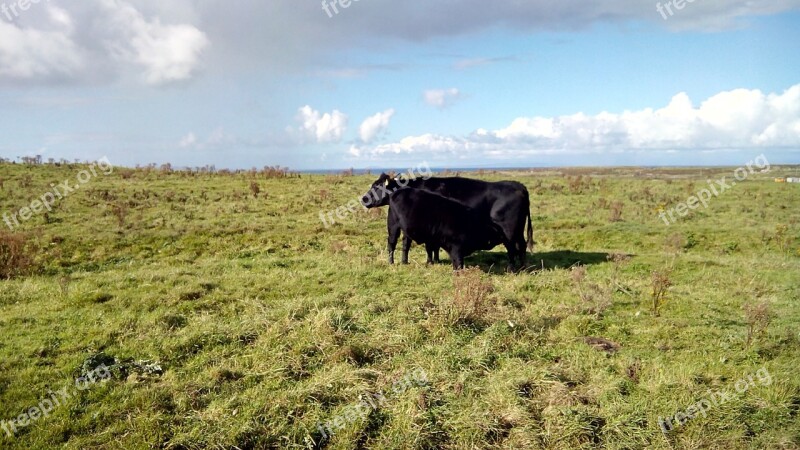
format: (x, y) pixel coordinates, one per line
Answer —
(388, 84)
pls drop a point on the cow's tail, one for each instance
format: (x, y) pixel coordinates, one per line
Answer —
(530, 232)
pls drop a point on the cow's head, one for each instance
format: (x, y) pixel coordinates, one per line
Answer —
(494, 236)
(380, 191)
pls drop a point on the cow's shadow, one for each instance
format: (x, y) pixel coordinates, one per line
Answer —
(497, 262)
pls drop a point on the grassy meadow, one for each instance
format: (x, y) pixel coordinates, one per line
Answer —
(230, 316)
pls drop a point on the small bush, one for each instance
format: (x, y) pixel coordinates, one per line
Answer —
(595, 299)
(616, 211)
(120, 211)
(782, 237)
(661, 284)
(255, 189)
(471, 304)
(15, 251)
(758, 316)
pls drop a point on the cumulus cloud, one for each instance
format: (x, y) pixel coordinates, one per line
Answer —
(188, 141)
(166, 53)
(33, 54)
(738, 119)
(441, 98)
(374, 126)
(218, 139)
(74, 42)
(322, 128)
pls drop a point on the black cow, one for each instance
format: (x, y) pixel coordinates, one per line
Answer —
(507, 203)
(439, 222)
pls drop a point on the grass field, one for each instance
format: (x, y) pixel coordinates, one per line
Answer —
(229, 316)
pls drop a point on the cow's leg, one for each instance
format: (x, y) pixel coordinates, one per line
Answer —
(522, 252)
(436, 255)
(509, 242)
(406, 248)
(431, 250)
(394, 235)
(511, 248)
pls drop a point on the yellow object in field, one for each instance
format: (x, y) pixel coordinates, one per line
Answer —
(780, 180)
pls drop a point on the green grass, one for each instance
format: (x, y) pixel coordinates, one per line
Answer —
(266, 323)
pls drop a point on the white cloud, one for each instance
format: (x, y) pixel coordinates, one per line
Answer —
(738, 119)
(441, 98)
(188, 141)
(218, 139)
(322, 128)
(375, 125)
(167, 53)
(33, 54)
(88, 40)
(470, 63)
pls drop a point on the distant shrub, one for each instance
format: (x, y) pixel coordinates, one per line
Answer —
(579, 184)
(661, 284)
(15, 254)
(758, 316)
(595, 299)
(120, 211)
(255, 189)
(26, 181)
(275, 172)
(619, 261)
(616, 211)
(63, 283)
(323, 195)
(471, 304)
(782, 237)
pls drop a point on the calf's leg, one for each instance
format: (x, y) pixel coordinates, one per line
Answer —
(394, 234)
(431, 250)
(406, 248)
